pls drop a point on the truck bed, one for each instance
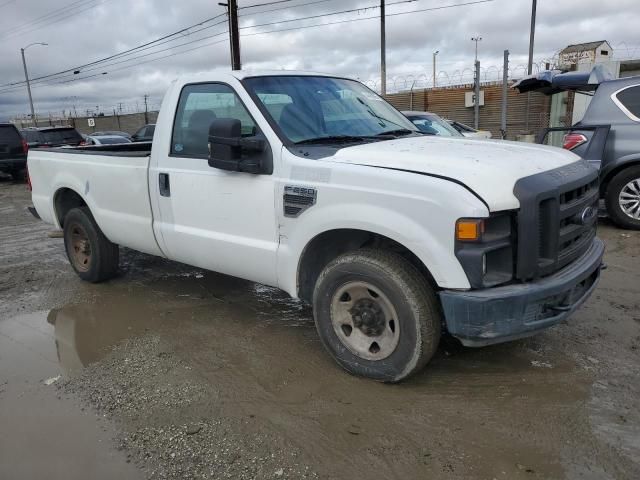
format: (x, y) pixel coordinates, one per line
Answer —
(111, 179)
(138, 149)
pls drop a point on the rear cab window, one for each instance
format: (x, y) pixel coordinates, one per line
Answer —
(628, 99)
(198, 106)
(61, 135)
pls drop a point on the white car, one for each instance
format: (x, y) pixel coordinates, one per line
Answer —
(316, 185)
(468, 131)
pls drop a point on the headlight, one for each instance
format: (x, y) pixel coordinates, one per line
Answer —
(485, 249)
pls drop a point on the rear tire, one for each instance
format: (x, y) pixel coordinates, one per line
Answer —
(623, 198)
(93, 257)
(377, 315)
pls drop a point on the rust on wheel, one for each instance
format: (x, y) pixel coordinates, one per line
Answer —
(80, 248)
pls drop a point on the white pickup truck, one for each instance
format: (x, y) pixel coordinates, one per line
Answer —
(314, 184)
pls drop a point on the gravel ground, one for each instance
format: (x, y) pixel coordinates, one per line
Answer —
(172, 372)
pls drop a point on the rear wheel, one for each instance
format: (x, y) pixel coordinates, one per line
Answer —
(377, 315)
(623, 198)
(93, 257)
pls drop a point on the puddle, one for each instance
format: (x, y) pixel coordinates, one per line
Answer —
(256, 354)
(45, 435)
(84, 333)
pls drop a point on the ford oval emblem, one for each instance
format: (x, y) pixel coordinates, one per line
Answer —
(588, 215)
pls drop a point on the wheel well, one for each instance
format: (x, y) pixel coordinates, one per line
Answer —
(323, 248)
(64, 200)
(604, 184)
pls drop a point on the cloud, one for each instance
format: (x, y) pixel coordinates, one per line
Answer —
(345, 49)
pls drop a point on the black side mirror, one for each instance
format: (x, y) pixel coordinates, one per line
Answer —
(229, 150)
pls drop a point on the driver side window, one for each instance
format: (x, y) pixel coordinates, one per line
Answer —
(198, 106)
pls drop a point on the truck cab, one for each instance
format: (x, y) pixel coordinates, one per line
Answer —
(315, 185)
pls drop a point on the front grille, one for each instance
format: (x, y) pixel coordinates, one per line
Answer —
(557, 218)
(575, 230)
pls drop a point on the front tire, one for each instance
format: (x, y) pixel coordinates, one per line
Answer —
(623, 198)
(93, 257)
(377, 315)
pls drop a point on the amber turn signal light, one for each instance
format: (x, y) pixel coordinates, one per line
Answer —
(469, 230)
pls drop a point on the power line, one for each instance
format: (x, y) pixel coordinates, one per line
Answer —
(105, 66)
(264, 4)
(287, 7)
(252, 34)
(55, 16)
(355, 19)
(370, 7)
(129, 51)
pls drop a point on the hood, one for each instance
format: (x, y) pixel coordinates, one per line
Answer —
(488, 167)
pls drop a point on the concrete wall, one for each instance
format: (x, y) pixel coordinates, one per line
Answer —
(449, 103)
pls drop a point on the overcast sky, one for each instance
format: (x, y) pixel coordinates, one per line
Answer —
(90, 30)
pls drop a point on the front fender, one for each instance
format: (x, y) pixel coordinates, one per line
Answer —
(429, 235)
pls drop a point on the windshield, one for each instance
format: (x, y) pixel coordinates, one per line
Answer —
(309, 108)
(434, 125)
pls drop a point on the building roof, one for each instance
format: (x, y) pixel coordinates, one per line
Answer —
(583, 47)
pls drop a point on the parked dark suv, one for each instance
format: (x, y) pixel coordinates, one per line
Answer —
(608, 136)
(144, 134)
(52, 137)
(13, 151)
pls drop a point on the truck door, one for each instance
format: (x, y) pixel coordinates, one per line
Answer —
(214, 219)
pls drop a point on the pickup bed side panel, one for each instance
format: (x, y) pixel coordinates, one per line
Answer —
(115, 189)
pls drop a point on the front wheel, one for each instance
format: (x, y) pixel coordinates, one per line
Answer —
(623, 198)
(93, 257)
(376, 315)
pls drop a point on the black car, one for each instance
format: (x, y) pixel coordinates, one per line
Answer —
(13, 151)
(52, 137)
(145, 134)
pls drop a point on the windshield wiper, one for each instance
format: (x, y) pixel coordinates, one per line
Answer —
(335, 139)
(395, 133)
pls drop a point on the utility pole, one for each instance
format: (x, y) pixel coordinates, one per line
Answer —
(383, 51)
(476, 89)
(435, 54)
(532, 35)
(146, 110)
(26, 77)
(476, 97)
(505, 91)
(234, 35)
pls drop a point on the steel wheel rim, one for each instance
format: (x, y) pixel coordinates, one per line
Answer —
(365, 320)
(80, 248)
(629, 199)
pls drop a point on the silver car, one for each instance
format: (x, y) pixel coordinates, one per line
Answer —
(431, 124)
(105, 139)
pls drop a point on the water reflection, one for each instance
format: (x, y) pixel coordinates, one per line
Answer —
(84, 333)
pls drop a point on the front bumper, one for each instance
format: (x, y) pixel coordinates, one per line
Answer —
(494, 315)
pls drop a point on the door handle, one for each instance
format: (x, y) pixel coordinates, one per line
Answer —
(165, 186)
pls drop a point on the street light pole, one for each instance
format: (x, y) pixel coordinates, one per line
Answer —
(26, 76)
(434, 67)
(476, 39)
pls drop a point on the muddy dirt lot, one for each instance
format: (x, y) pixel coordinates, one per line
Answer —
(172, 372)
